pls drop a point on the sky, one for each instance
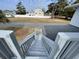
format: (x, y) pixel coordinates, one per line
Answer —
(29, 4)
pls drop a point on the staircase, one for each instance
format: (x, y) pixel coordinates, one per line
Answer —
(37, 50)
(37, 46)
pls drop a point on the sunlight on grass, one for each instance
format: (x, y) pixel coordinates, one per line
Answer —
(38, 20)
(23, 32)
(20, 32)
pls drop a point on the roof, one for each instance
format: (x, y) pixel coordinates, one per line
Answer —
(74, 5)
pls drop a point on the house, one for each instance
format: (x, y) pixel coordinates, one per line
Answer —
(63, 45)
(38, 12)
(9, 13)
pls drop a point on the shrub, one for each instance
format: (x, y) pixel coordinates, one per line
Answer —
(3, 18)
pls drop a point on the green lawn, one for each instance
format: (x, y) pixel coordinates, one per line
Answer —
(38, 20)
(21, 32)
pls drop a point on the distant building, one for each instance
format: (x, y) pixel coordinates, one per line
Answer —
(9, 13)
(30, 14)
(38, 12)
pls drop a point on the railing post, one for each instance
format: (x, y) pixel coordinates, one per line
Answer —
(10, 40)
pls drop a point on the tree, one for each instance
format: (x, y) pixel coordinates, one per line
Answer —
(3, 17)
(1, 14)
(77, 1)
(61, 5)
(20, 9)
(58, 9)
(68, 12)
(52, 7)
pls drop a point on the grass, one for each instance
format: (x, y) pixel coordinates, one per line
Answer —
(20, 32)
(38, 20)
(23, 32)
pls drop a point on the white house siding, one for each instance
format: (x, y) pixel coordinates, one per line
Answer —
(38, 12)
(27, 16)
(8, 15)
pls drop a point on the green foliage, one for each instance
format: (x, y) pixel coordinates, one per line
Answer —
(52, 7)
(20, 9)
(1, 14)
(59, 8)
(61, 5)
(77, 1)
(69, 12)
(2, 17)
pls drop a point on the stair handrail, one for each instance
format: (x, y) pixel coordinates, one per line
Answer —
(48, 39)
(53, 46)
(26, 38)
